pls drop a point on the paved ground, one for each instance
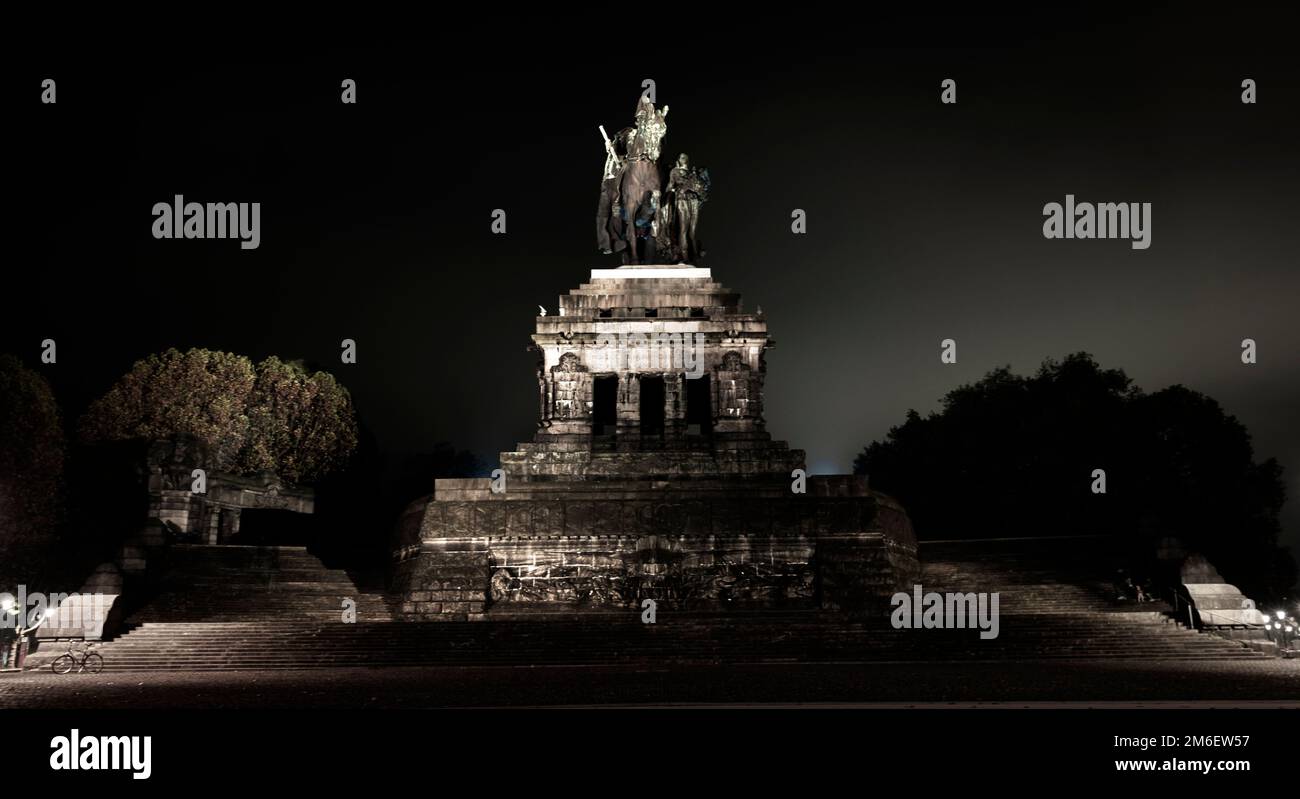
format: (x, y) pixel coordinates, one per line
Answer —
(1270, 683)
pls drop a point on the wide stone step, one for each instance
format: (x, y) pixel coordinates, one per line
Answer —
(283, 645)
(279, 608)
(204, 583)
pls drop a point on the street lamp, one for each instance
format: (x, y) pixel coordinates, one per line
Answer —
(1281, 632)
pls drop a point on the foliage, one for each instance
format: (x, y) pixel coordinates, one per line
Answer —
(200, 392)
(273, 417)
(1011, 456)
(301, 425)
(31, 468)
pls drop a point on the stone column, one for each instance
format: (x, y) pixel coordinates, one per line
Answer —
(629, 411)
(545, 398)
(229, 525)
(756, 399)
(674, 405)
(213, 534)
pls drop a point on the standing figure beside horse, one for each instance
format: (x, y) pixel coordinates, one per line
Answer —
(629, 215)
(687, 189)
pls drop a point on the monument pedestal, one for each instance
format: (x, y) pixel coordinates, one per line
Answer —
(601, 546)
(640, 485)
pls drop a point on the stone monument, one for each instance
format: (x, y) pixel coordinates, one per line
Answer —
(652, 474)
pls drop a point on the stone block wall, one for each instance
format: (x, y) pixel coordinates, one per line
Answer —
(442, 583)
(602, 571)
(470, 556)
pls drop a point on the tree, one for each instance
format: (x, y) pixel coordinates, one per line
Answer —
(1200, 482)
(200, 392)
(301, 426)
(275, 417)
(1011, 456)
(31, 470)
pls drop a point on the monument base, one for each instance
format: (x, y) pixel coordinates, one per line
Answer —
(610, 545)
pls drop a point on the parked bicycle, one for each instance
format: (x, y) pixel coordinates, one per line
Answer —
(89, 661)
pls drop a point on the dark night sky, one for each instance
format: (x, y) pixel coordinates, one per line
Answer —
(924, 219)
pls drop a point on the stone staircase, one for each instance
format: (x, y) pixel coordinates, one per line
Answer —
(807, 636)
(1056, 600)
(212, 620)
(253, 584)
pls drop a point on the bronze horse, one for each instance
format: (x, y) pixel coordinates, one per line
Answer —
(639, 196)
(639, 185)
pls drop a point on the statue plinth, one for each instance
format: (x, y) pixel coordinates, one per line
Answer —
(655, 271)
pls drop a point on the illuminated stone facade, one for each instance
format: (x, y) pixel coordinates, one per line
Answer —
(651, 476)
